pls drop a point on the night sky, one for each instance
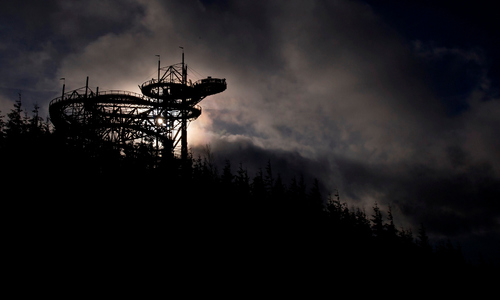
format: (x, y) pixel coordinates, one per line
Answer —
(394, 102)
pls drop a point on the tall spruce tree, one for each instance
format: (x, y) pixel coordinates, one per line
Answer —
(268, 178)
(423, 239)
(227, 175)
(390, 227)
(258, 187)
(15, 124)
(315, 202)
(242, 181)
(279, 189)
(377, 222)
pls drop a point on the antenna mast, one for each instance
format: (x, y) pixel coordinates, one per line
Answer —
(184, 149)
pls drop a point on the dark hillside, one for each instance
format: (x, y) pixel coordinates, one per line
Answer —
(62, 200)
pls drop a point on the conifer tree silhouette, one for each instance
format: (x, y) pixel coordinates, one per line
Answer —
(377, 222)
(15, 123)
(423, 239)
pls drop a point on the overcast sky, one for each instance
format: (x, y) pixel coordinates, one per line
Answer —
(394, 103)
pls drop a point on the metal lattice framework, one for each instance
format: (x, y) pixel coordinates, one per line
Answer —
(159, 116)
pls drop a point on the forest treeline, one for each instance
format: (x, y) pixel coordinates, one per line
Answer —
(217, 214)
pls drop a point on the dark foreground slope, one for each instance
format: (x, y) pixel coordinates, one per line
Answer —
(70, 213)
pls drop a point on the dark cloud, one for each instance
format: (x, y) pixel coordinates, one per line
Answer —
(383, 107)
(460, 25)
(38, 36)
(68, 25)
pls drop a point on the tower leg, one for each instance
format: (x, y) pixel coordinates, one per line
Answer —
(184, 149)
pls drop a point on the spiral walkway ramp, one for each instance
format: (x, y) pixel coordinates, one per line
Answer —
(159, 116)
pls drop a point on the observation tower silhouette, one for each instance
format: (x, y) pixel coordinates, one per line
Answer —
(120, 119)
